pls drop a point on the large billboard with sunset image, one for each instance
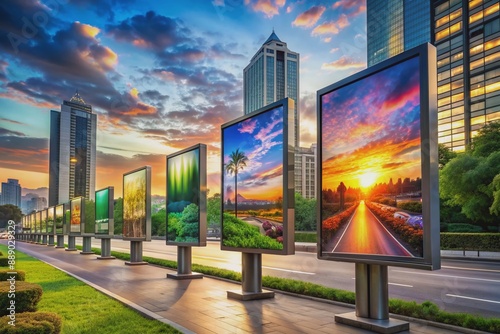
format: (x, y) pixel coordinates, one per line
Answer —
(257, 181)
(378, 146)
(137, 205)
(186, 197)
(77, 214)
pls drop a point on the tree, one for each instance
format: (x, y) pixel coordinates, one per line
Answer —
(238, 161)
(305, 213)
(158, 222)
(445, 154)
(213, 211)
(118, 214)
(9, 212)
(487, 140)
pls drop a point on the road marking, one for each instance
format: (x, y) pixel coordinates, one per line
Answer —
(472, 269)
(349, 223)
(451, 276)
(397, 284)
(471, 298)
(289, 270)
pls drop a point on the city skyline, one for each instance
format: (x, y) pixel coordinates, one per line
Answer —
(159, 77)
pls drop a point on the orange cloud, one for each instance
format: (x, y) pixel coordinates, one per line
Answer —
(134, 92)
(309, 17)
(343, 63)
(87, 30)
(268, 7)
(332, 27)
(353, 7)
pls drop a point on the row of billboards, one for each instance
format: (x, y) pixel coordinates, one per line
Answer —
(377, 143)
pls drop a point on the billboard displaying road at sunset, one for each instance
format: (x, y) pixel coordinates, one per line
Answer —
(372, 164)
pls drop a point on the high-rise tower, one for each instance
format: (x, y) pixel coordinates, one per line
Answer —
(273, 74)
(72, 160)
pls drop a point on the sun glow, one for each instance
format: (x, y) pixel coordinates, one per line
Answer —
(367, 179)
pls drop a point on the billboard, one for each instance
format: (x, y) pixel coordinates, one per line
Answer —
(43, 221)
(77, 215)
(50, 220)
(137, 204)
(59, 219)
(378, 153)
(186, 197)
(104, 215)
(257, 181)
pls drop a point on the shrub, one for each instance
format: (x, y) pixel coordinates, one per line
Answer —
(27, 296)
(463, 228)
(18, 276)
(31, 323)
(4, 262)
(411, 206)
(471, 241)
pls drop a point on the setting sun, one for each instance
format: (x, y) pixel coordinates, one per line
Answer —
(367, 179)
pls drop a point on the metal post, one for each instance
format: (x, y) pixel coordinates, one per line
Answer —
(251, 279)
(135, 253)
(105, 249)
(184, 259)
(362, 290)
(71, 243)
(87, 246)
(379, 292)
(60, 241)
(51, 240)
(44, 239)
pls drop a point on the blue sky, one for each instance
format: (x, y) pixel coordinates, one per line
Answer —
(161, 75)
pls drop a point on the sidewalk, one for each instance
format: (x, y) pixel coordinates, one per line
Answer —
(201, 305)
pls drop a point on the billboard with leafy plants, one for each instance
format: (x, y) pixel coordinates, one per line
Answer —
(137, 204)
(50, 220)
(186, 196)
(104, 211)
(59, 219)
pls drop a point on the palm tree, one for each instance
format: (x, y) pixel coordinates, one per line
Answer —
(238, 161)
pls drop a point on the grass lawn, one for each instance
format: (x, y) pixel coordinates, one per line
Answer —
(83, 309)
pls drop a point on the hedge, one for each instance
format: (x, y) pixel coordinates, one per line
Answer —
(489, 242)
(31, 323)
(4, 262)
(27, 296)
(18, 276)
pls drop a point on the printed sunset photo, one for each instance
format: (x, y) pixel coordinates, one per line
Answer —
(371, 165)
(253, 182)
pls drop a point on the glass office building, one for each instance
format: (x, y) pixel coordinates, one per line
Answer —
(72, 156)
(394, 26)
(273, 74)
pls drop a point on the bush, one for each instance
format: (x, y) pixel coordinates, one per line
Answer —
(305, 237)
(27, 296)
(415, 207)
(4, 262)
(463, 228)
(489, 242)
(32, 323)
(18, 276)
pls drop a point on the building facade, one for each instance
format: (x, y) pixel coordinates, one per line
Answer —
(273, 74)
(305, 171)
(394, 26)
(11, 193)
(467, 38)
(72, 156)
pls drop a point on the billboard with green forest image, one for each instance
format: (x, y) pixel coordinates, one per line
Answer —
(50, 220)
(186, 197)
(59, 219)
(104, 211)
(43, 221)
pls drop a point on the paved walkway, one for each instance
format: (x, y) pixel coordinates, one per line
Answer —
(201, 305)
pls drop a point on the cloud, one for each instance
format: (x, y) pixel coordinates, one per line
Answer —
(269, 8)
(309, 17)
(352, 7)
(7, 132)
(343, 63)
(248, 126)
(332, 27)
(20, 152)
(103, 7)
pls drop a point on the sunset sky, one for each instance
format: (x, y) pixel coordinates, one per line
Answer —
(161, 75)
(371, 129)
(260, 138)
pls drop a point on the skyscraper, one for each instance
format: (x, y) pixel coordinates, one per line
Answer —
(273, 74)
(11, 193)
(467, 38)
(72, 160)
(394, 26)
(305, 171)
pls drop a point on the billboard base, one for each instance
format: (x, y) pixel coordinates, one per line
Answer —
(60, 241)
(385, 326)
(71, 243)
(135, 254)
(87, 246)
(251, 279)
(105, 250)
(51, 240)
(106, 257)
(184, 265)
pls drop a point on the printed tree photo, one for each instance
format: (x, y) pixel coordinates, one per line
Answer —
(59, 219)
(371, 165)
(183, 191)
(252, 151)
(102, 211)
(50, 220)
(43, 221)
(134, 204)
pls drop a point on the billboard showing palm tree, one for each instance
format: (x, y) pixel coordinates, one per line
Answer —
(137, 204)
(255, 174)
(186, 197)
(375, 168)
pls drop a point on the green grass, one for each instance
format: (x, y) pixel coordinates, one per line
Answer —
(305, 237)
(83, 309)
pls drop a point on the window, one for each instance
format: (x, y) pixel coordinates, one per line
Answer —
(491, 58)
(476, 49)
(474, 3)
(443, 75)
(457, 84)
(474, 17)
(491, 9)
(477, 63)
(443, 62)
(443, 88)
(457, 70)
(492, 27)
(441, 8)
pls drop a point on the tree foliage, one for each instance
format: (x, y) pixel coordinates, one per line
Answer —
(9, 212)
(305, 213)
(118, 214)
(445, 155)
(487, 140)
(238, 161)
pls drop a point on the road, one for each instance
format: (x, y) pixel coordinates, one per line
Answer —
(365, 234)
(460, 286)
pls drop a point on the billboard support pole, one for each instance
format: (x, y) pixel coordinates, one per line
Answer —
(60, 241)
(184, 265)
(105, 249)
(372, 302)
(51, 240)
(71, 243)
(135, 254)
(251, 279)
(87, 246)
(44, 239)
